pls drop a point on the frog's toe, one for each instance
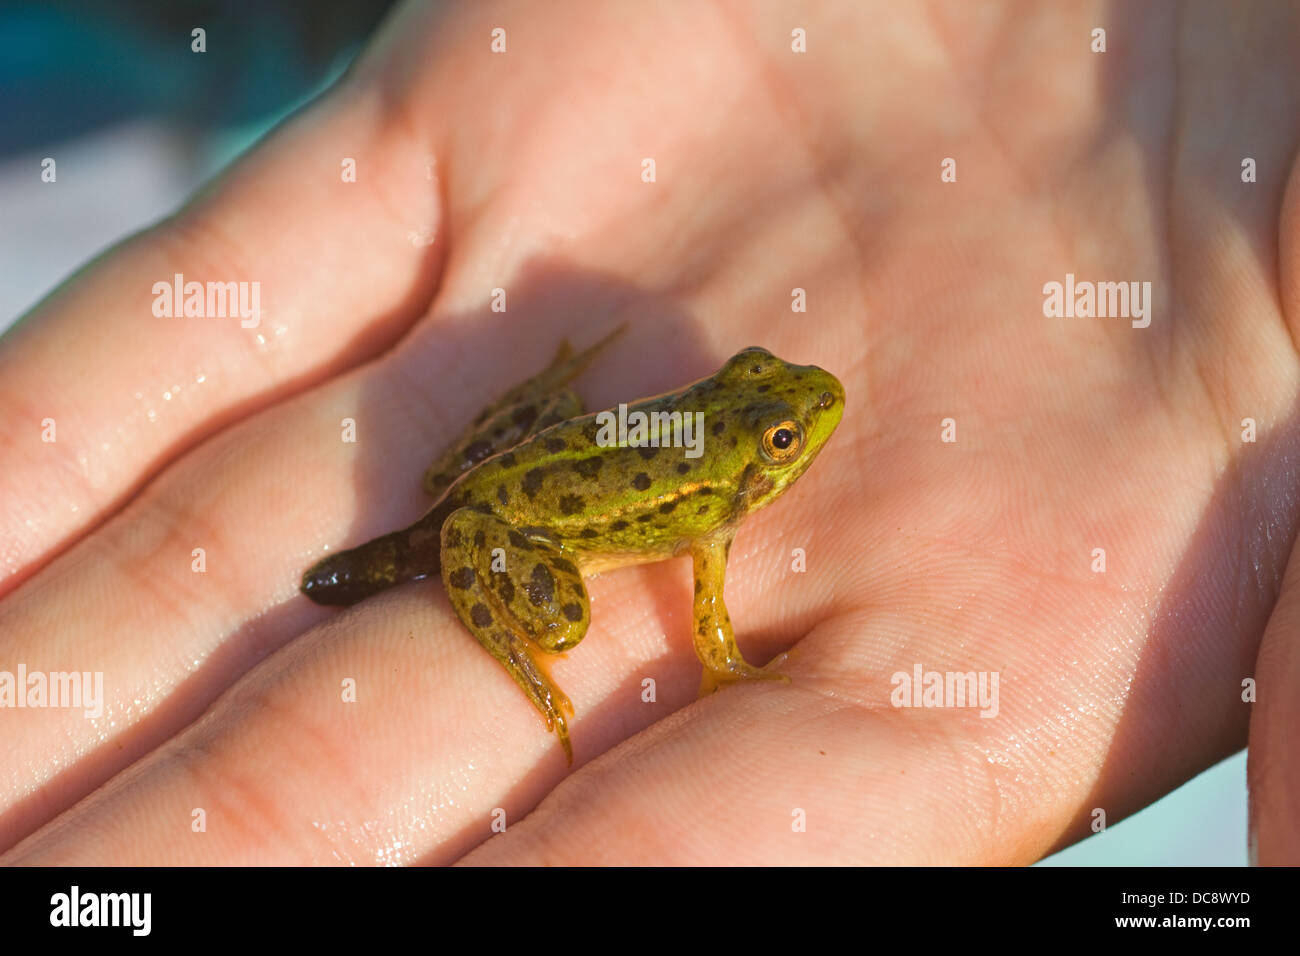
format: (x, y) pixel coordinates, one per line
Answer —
(556, 722)
(553, 707)
(549, 700)
(708, 683)
(557, 706)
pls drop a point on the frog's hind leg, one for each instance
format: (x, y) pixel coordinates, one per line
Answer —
(542, 401)
(527, 596)
(504, 427)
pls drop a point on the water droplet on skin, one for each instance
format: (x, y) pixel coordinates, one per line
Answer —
(200, 379)
(167, 396)
(151, 415)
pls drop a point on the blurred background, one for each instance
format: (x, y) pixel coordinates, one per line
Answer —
(136, 122)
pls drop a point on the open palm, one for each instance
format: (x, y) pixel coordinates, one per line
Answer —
(1067, 503)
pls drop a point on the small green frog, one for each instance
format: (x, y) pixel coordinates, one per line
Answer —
(535, 494)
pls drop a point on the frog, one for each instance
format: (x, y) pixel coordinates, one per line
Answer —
(537, 495)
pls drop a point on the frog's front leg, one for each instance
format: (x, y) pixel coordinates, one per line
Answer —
(715, 641)
(530, 596)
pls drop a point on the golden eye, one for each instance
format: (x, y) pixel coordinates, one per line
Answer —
(783, 442)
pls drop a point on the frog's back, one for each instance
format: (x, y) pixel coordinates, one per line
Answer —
(631, 503)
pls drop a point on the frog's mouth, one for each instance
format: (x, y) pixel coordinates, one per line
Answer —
(826, 407)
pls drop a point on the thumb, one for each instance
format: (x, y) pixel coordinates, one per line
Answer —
(1273, 765)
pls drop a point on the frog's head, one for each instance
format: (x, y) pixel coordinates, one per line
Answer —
(782, 414)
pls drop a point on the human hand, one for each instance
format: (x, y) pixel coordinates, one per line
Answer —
(774, 171)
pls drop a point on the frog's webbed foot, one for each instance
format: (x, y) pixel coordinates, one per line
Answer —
(542, 401)
(528, 598)
(711, 680)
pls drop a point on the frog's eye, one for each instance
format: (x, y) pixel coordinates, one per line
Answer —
(783, 442)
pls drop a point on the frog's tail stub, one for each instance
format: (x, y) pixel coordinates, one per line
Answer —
(354, 575)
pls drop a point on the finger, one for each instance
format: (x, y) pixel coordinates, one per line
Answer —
(836, 767)
(100, 390)
(821, 770)
(196, 579)
(1273, 766)
(192, 583)
(435, 746)
(260, 500)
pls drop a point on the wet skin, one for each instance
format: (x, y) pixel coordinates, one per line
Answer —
(534, 495)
